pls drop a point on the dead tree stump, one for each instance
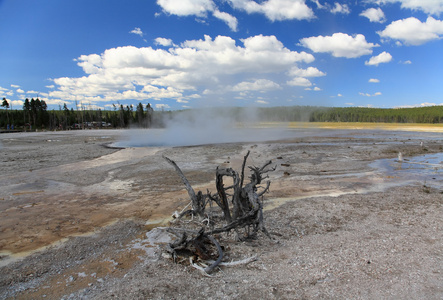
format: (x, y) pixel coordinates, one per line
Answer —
(241, 206)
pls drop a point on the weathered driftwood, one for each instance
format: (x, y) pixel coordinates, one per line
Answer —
(241, 207)
(197, 246)
(198, 200)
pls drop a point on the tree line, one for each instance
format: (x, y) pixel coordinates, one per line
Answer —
(428, 114)
(35, 115)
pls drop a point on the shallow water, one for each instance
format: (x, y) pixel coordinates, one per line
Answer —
(426, 169)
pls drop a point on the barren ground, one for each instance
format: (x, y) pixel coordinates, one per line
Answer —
(347, 221)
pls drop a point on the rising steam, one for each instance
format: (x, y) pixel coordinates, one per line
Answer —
(204, 126)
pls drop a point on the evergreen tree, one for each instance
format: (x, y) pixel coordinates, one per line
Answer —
(5, 104)
(149, 113)
(140, 115)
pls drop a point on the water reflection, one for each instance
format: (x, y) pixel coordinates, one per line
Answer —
(427, 169)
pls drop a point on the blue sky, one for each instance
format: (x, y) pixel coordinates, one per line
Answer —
(179, 54)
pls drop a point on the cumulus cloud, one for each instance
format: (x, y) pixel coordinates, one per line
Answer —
(199, 8)
(262, 102)
(340, 9)
(163, 42)
(137, 31)
(261, 85)
(309, 72)
(428, 6)
(369, 95)
(299, 81)
(20, 91)
(412, 31)
(187, 7)
(162, 106)
(374, 80)
(340, 45)
(15, 86)
(374, 15)
(230, 20)
(382, 58)
(276, 10)
(17, 103)
(183, 71)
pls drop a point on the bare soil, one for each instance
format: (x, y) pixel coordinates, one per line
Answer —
(347, 221)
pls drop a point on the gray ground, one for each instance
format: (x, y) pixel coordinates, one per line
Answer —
(347, 220)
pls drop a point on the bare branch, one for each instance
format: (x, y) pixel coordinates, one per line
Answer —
(196, 199)
(268, 184)
(185, 181)
(242, 177)
(220, 255)
(237, 262)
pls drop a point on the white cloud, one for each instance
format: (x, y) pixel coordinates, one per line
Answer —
(407, 62)
(339, 95)
(413, 32)
(187, 7)
(374, 80)
(163, 42)
(317, 89)
(199, 8)
(50, 86)
(190, 68)
(15, 86)
(33, 92)
(137, 31)
(262, 102)
(428, 6)
(299, 81)
(258, 85)
(20, 91)
(340, 9)
(374, 15)
(319, 6)
(419, 105)
(382, 58)
(309, 72)
(17, 103)
(369, 95)
(230, 20)
(276, 10)
(162, 106)
(340, 45)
